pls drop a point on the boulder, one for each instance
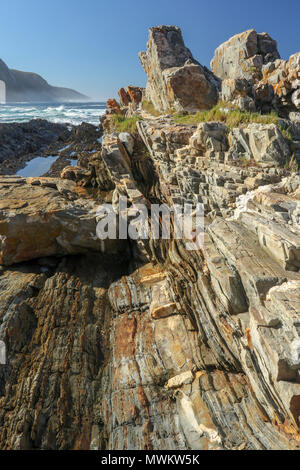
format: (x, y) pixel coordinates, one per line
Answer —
(262, 142)
(45, 217)
(280, 85)
(210, 136)
(175, 79)
(113, 106)
(131, 95)
(236, 91)
(243, 55)
(82, 176)
(124, 97)
(267, 144)
(135, 94)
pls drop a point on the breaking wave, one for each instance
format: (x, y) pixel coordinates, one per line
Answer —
(73, 113)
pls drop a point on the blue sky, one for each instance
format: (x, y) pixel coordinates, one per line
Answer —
(92, 45)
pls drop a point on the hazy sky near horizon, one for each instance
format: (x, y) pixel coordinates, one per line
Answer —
(92, 45)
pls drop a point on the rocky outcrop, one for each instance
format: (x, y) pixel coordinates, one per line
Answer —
(253, 75)
(39, 139)
(243, 55)
(237, 295)
(132, 95)
(280, 85)
(155, 343)
(46, 217)
(27, 86)
(175, 79)
(262, 142)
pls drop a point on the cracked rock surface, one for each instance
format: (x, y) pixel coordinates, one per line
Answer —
(146, 344)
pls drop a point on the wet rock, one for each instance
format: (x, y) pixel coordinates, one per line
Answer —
(19, 142)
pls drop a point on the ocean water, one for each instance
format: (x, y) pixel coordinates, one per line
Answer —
(73, 113)
(38, 166)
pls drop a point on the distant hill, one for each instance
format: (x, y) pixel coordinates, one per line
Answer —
(28, 86)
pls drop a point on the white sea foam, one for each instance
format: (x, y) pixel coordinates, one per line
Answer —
(73, 113)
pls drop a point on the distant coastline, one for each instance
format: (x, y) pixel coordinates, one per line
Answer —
(30, 87)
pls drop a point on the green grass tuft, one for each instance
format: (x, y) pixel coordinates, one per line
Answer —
(230, 115)
(120, 123)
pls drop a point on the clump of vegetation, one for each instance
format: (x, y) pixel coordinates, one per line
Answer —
(229, 114)
(120, 123)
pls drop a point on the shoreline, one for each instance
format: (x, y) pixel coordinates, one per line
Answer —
(40, 138)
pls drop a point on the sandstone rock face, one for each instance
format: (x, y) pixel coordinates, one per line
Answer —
(45, 217)
(175, 79)
(20, 143)
(31, 87)
(243, 55)
(131, 95)
(20, 140)
(236, 91)
(113, 106)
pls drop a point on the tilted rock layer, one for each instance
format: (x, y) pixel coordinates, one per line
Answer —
(148, 344)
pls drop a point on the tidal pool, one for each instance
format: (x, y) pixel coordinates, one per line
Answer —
(37, 166)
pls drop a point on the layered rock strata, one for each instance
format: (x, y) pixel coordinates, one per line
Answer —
(146, 344)
(175, 79)
(238, 297)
